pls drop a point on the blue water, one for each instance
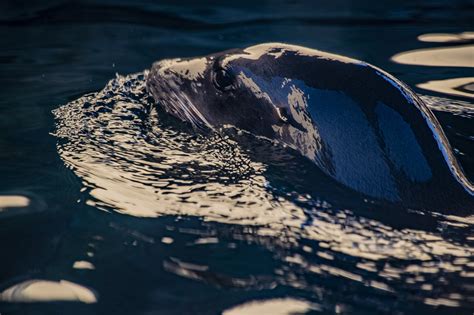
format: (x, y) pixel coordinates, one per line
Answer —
(106, 191)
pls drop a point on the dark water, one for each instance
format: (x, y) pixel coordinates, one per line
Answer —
(140, 215)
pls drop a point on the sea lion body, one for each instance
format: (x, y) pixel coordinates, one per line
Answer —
(357, 123)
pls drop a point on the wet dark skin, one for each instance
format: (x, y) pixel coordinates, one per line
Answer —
(357, 123)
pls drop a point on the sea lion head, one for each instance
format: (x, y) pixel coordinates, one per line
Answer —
(360, 125)
(250, 89)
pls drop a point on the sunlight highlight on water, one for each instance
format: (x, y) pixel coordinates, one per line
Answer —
(134, 159)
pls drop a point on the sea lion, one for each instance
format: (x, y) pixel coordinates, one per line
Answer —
(357, 123)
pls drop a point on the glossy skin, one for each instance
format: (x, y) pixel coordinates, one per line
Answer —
(359, 124)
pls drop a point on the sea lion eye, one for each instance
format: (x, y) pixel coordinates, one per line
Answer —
(283, 114)
(223, 79)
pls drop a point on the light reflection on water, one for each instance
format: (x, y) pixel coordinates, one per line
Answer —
(135, 160)
(446, 37)
(458, 86)
(461, 55)
(274, 306)
(36, 290)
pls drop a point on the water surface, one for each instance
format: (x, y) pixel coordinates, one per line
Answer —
(122, 209)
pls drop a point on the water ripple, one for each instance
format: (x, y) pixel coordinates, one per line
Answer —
(136, 160)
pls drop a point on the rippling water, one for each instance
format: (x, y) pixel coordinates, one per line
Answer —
(109, 205)
(135, 160)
